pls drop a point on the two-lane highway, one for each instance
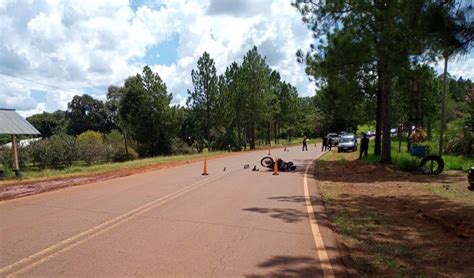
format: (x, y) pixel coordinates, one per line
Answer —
(176, 222)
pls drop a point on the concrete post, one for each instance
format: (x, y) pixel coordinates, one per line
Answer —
(15, 156)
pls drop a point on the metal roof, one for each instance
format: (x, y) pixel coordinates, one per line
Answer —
(12, 123)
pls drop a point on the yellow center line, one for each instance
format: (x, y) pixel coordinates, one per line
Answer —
(318, 239)
(48, 253)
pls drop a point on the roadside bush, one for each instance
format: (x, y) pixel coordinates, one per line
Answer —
(116, 148)
(39, 153)
(57, 151)
(228, 139)
(6, 162)
(406, 163)
(178, 146)
(91, 147)
(62, 150)
(460, 139)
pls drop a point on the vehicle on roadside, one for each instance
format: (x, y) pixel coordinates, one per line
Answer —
(334, 137)
(348, 142)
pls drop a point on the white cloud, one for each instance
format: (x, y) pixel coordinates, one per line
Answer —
(81, 44)
(459, 66)
(92, 44)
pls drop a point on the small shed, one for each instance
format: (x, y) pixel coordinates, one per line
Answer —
(13, 124)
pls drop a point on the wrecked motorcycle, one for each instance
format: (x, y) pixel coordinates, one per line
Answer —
(268, 162)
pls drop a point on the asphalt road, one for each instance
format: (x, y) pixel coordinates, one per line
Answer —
(176, 222)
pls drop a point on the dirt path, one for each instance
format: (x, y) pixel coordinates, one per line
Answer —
(397, 223)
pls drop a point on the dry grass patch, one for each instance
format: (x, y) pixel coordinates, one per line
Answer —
(397, 223)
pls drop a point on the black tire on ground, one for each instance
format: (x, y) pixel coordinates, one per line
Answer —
(432, 165)
(267, 161)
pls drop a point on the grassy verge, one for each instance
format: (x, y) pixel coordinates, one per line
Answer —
(406, 162)
(81, 170)
(397, 224)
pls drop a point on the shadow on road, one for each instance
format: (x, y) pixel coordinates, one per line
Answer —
(286, 214)
(291, 215)
(289, 266)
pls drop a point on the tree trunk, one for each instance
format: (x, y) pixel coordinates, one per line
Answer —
(269, 133)
(443, 113)
(252, 136)
(429, 128)
(408, 138)
(386, 120)
(378, 116)
(208, 125)
(400, 139)
(417, 103)
(125, 142)
(275, 132)
(239, 135)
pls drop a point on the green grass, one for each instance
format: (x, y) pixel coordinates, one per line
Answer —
(406, 162)
(355, 223)
(365, 128)
(79, 170)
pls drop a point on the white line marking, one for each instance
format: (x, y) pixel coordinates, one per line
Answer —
(48, 253)
(318, 240)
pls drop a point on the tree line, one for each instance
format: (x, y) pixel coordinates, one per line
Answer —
(370, 61)
(248, 104)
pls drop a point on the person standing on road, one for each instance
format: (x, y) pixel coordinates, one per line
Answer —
(364, 145)
(324, 146)
(329, 145)
(305, 143)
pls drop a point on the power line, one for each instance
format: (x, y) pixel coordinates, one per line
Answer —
(39, 83)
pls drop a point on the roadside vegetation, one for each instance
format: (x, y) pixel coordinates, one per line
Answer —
(373, 69)
(405, 161)
(246, 107)
(396, 223)
(97, 162)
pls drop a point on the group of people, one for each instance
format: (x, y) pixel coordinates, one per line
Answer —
(328, 143)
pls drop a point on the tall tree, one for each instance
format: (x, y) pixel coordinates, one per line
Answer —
(114, 97)
(253, 82)
(86, 113)
(451, 27)
(49, 124)
(392, 31)
(145, 111)
(203, 99)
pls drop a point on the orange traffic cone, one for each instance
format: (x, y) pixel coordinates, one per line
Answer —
(269, 152)
(275, 168)
(204, 171)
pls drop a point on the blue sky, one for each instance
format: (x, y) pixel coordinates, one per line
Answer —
(164, 53)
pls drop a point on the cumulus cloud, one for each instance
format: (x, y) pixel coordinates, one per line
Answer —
(85, 46)
(81, 45)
